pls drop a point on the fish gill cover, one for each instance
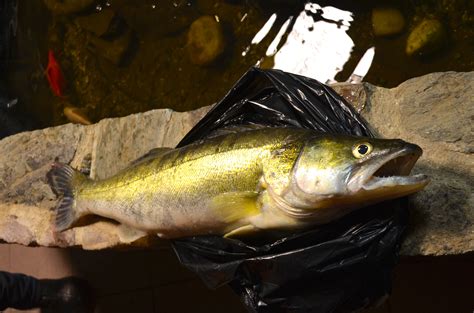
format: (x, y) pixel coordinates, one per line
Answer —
(338, 267)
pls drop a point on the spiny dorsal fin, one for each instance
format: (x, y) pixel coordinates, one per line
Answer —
(234, 129)
(152, 154)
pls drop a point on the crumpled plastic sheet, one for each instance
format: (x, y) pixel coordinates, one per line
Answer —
(338, 267)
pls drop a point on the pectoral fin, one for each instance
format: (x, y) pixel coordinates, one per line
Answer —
(234, 206)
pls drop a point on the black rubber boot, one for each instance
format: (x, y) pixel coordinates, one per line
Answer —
(70, 294)
(18, 291)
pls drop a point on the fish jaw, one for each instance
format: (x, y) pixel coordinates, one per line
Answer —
(388, 175)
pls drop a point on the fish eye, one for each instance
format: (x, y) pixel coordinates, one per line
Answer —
(362, 149)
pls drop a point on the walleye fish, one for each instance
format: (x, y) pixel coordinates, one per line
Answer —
(241, 182)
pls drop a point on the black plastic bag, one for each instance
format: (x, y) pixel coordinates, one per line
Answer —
(337, 267)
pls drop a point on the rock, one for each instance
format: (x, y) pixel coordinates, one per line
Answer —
(434, 111)
(102, 23)
(113, 50)
(160, 19)
(208, 6)
(355, 94)
(68, 6)
(387, 21)
(426, 37)
(205, 40)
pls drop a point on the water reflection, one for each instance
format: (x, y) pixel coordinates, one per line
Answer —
(316, 45)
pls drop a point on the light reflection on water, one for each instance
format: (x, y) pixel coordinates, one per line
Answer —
(318, 45)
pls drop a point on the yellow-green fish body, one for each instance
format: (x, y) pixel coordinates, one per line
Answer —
(235, 183)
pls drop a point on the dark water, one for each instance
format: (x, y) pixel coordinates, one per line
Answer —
(121, 57)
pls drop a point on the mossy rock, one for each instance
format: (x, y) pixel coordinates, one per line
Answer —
(205, 40)
(387, 21)
(426, 37)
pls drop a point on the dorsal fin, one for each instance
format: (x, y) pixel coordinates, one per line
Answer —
(152, 154)
(233, 129)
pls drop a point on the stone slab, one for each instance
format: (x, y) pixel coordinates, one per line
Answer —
(435, 111)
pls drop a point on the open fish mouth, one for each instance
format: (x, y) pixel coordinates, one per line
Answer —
(393, 170)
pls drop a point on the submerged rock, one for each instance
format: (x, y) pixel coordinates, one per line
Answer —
(68, 6)
(102, 24)
(426, 37)
(163, 18)
(387, 21)
(113, 50)
(205, 40)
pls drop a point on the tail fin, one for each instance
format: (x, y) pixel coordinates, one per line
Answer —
(61, 178)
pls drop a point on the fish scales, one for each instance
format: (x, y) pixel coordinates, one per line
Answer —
(182, 182)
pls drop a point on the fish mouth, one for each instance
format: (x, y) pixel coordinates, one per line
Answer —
(391, 171)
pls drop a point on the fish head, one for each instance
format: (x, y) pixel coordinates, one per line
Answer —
(345, 172)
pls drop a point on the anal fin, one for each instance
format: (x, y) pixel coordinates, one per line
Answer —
(242, 231)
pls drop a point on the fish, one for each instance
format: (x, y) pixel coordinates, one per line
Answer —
(76, 115)
(54, 75)
(239, 183)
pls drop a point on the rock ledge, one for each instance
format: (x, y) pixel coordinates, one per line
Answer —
(435, 111)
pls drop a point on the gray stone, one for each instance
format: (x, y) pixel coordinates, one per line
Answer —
(434, 111)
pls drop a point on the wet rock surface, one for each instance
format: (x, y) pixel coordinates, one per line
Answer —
(435, 111)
